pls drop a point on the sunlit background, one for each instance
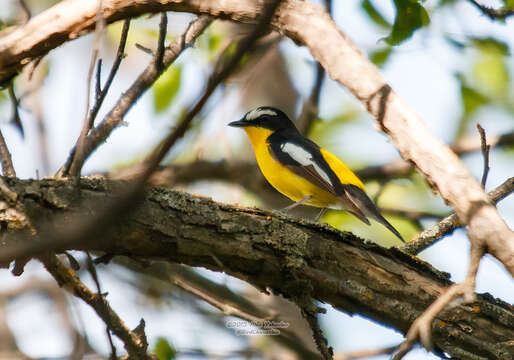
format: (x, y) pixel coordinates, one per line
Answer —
(455, 72)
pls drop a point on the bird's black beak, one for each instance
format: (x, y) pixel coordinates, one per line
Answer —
(238, 123)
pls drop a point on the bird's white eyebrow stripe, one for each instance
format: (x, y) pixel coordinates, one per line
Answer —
(304, 157)
(254, 114)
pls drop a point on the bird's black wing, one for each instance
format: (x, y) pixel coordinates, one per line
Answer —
(303, 157)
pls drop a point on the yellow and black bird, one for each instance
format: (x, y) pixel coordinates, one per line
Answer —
(301, 170)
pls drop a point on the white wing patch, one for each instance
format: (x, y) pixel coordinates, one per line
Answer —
(304, 157)
(255, 113)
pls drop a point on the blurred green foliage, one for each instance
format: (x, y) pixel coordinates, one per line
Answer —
(410, 16)
(380, 56)
(490, 67)
(166, 87)
(163, 350)
(375, 15)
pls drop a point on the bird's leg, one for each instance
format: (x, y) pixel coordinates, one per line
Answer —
(321, 213)
(299, 202)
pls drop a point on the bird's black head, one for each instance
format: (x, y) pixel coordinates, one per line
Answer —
(265, 117)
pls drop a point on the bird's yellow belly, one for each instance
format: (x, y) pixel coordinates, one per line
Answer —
(288, 183)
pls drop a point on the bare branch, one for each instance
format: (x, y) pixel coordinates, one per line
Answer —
(493, 14)
(79, 154)
(138, 88)
(216, 79)
(444, 227)
(161, 44)
(134, 344)
(321, 342)
(24, 10)
(5, 157)
(120, 54)
(365, 353)
(421, 328)
(485, 153)
(15, 118)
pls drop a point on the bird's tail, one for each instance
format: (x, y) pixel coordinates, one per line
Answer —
(366, 208)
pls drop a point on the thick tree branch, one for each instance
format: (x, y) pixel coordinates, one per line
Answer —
(293, 258)
(342, 61)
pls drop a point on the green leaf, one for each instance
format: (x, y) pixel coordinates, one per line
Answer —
(374, 15)
(490, 67)
(380, 56)
(472, 99)
(163, 350)
(508, 3)
(491, 45)
(166, 87)
(492, 75)
(410, 16)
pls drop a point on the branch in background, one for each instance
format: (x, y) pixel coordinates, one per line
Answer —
(310, 109)
(221, 297)
(485, 153)
(365, 353)
(5, 157)
(60, 304)
(246, 173)
(76, 164)
(135, 344)
(344, 63)
(321, 342)
(421, 328)
(25, 11)
(91, 227)
(444, 227)
(402, 168)
(151, 73)
(284, 255)
(215, 80)
(493, 14)
(15, 118)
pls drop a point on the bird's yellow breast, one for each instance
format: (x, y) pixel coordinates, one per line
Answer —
(287, 182)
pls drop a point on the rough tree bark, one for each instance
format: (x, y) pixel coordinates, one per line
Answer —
(297, 259)
(342, 61)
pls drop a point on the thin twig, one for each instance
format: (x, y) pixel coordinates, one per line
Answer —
(120, 54)
(183, 124)
(321, 342)
(89, 228)
(76, 164)
(5, 157)
(361, 354)
(226, 309)
(402, 168)
(98, 83)
(421, 328)
(485, 153)
(151, 73)
(161, 44)
(444, 227)
(67, 279)
(310, 108)
(25, 11)
(491, 13)
(145, 49)
(94, 274)
(15, 118)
